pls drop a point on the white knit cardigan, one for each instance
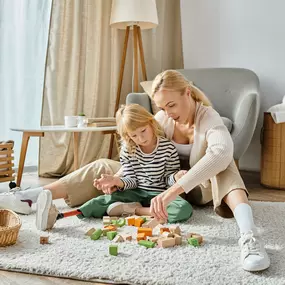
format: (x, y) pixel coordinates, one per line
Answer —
(212, 150)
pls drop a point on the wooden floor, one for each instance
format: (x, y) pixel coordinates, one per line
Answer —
(251, 179)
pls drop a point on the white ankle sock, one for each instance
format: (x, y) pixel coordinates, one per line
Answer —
(244, 218)
(30, 194)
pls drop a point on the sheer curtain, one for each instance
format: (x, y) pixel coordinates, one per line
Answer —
(24, 28)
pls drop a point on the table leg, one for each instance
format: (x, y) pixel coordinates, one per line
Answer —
(75, 149)
(24, 147)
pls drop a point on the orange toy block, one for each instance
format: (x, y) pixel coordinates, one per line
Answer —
(131, 221)
(110, 228)
(139, 222)
(147, 231)
(141, 236)
(44, 240)
(164, 230)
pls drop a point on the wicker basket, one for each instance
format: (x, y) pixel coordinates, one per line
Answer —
(10, 225)
(272, 153)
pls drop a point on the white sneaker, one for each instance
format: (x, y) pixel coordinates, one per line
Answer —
(10, 201)
(120, 208)
(46, 212)
(253, 254)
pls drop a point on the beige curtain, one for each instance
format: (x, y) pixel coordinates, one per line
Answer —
(82, 69)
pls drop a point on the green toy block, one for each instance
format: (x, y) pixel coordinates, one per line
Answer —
(113, 249)
(114, 222)
(144, 219)
(111, 235)
(96, 235)
(193, 241)
(121, 222)
(147, 243)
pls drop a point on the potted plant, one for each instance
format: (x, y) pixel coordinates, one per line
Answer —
(81, 122)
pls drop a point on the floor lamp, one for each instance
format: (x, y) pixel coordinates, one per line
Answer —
(135, 15)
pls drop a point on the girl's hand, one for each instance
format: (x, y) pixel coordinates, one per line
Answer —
(179, 174)
(107, 183)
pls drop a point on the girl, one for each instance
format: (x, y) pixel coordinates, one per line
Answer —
(150, 165)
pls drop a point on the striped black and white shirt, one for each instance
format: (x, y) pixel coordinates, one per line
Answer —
(150, 171)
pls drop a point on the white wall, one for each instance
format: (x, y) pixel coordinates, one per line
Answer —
(239, 33)
(24, 33)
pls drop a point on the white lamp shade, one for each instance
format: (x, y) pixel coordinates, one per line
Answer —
(134, 12)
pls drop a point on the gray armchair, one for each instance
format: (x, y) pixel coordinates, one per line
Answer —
(234, 93)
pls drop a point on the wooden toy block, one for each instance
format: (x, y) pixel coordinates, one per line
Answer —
(175, 230)
(113, 249)
(140, 236)
(161, 230)
(147, 243)
(118, 238)
(90, 232)
(166, 242)
(111, 235)
(44, 240)
(167, 235)
(96, 235)
(106, 220)
(110, 228)
(131, 221)
(139, 222)
(153, 239)
(193, 241)
(147, 231)
(178, 239)
(121, 222)
(127, 237)
(104, 231)
(194, 235)
(150, 224)
(144, 219)
(114, 218)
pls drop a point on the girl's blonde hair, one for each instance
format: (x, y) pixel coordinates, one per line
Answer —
(175, 81)
(131, 117)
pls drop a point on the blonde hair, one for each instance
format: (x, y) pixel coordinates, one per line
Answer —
(131, 117)
(175, 81)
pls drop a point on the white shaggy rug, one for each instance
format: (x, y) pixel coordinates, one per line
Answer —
(71, 254)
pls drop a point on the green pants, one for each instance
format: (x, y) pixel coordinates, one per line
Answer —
(178, 210)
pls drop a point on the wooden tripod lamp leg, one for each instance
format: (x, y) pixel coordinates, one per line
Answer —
(136, 64)
(141, 54)
(120, 82)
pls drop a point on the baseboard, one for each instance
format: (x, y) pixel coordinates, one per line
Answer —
(30, 168)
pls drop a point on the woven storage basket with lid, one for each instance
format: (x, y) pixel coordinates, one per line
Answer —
(10, 225)
(272, 153)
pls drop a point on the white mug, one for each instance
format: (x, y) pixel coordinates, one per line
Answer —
(70, 121)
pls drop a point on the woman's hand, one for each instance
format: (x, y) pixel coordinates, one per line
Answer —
(158, 204)
(107, 183)
(179, 174)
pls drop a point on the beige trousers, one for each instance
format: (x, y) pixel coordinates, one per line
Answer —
(79, 186)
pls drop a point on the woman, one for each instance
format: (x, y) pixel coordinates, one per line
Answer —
(199, 134)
